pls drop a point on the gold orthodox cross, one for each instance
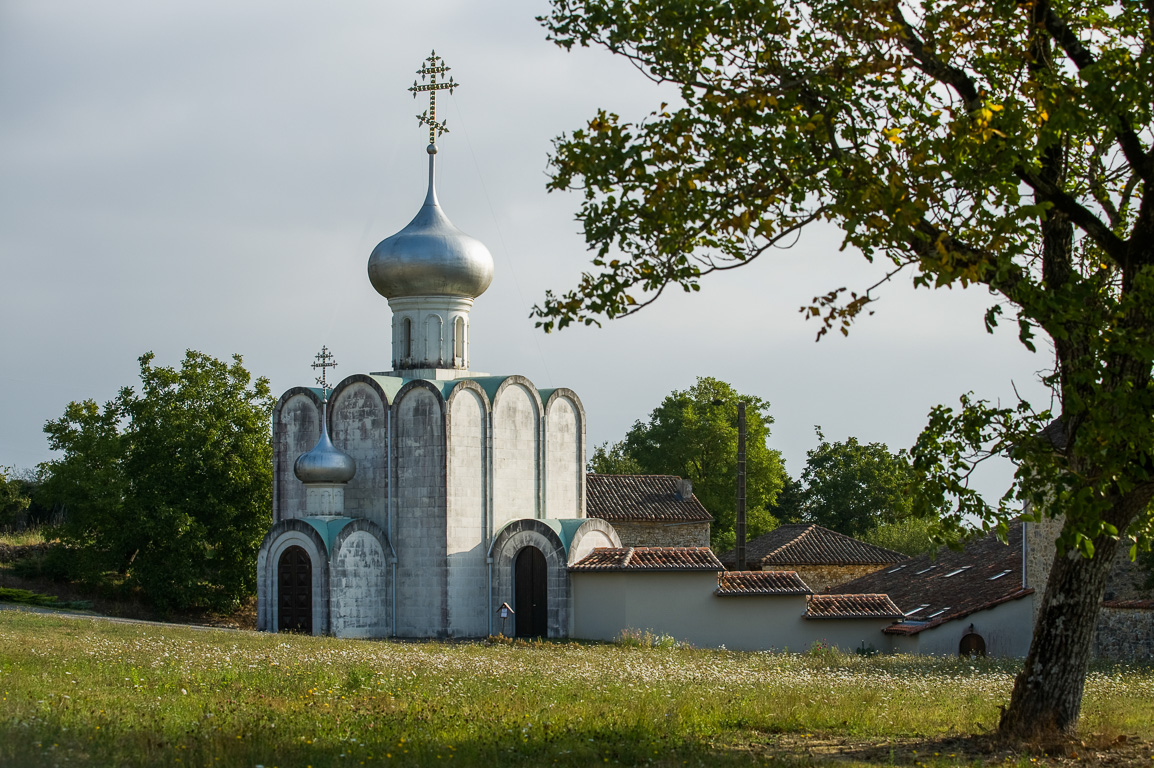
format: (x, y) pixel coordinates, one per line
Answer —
(324, 361)
(434, 65)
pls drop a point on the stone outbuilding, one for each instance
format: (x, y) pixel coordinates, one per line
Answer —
(649, 510)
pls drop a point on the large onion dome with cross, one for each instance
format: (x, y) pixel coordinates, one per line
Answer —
(431, 271)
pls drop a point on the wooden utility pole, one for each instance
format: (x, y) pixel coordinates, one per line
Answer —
(739, 528)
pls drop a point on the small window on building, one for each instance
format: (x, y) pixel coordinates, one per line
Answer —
(459, 338)
(407, 340)
(939, 612)
(921, 607)
(895, 570)
(997, 576)
(955, 573)
(924, 570)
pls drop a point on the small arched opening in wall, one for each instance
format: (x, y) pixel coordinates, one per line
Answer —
(459, 340)
(295, 591)
(531, 593)
(407, 338)
(972, 644)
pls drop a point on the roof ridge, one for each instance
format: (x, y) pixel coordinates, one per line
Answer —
(628, 557)
(808, 529)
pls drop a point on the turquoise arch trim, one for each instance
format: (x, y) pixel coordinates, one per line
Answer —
(328, 528)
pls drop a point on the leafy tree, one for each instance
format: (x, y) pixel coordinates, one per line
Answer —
(613, 460)
(13, 500)
(1006, 145)
(911, 536)
(790, 501)
(693, 434)
(169, 487)
(853, 488)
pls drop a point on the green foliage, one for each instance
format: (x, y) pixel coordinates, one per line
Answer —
(853, 487)
(912, 536)
(613, 460)
(28, 597)
(168, 489)
(13, 500)
(693, 434)
(1003, 145)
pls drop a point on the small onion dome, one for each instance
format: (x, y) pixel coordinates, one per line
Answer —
(325, 463)
(430, 256)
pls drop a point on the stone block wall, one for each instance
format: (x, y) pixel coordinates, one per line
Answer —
(296, 426)
(466, 514)
(516, 452)
(564, 459)
(651, 534)
(1125, 634)
(822, 577)
(419, 512)
(359, 426)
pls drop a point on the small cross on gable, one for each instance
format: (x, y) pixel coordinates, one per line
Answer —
(324, 361)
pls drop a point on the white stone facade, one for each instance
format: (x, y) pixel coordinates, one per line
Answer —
(443, 466)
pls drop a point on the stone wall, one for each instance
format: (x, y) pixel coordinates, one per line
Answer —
(1125, 634)
(822, 577)
(516, 453)
(466, 526)
(646, 534)
(296, 425)
(564, 458)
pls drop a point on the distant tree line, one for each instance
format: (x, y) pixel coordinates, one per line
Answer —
(859, 489)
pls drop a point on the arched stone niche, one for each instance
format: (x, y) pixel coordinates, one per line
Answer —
(517, 454)
(359, 574)
(564, 454)
(285, 534)
(359, 426)
(296, 426)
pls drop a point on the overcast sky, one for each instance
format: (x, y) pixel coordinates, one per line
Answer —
(214, 175)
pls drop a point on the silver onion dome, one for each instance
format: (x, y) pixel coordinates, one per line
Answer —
(430, 256)
(325, 463)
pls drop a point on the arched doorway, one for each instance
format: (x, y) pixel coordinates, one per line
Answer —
(530, 593)
(972, 645)
(295, 592)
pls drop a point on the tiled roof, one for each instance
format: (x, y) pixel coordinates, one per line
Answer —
(1142, 605)
(640, 498)
(649, 559)
(761, 583)
(955, 584)
(803, 544)
(851, 607)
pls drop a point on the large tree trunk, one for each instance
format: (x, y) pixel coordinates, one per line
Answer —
(1048, 691)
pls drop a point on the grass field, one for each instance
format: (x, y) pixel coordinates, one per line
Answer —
(90, 692)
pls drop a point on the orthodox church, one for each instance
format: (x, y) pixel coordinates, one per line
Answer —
(428, 500)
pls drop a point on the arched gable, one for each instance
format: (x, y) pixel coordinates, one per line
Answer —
(359, 425)
(296, 424)
(517, 451)
(593, 533)
(418, 532)
(564, 454)
(359, 574)
(285, 534)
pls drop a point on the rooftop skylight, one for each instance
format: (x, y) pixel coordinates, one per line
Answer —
(998, 576)
(921, 607)
(895, 570)
(924, 570)
(939, 613)
(955, 573)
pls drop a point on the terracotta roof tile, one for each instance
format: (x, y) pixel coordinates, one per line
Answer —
(1146, 605)
(801, 544)
(649, 559)
(851, 607)
(930, 592)
(761, 583)
(640, 498)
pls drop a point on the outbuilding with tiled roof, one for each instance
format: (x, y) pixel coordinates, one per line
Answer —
(648, 510)
(823, 558)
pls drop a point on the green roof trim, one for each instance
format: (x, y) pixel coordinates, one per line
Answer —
(390, 385)
(565, 529)
(328, 528)
(490, 384)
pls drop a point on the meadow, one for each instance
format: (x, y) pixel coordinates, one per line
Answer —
(81, 692)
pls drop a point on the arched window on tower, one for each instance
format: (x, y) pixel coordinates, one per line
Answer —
(459, 340)
(407, 339)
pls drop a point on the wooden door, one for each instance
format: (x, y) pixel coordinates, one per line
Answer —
(295, 592)
(531, 593)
